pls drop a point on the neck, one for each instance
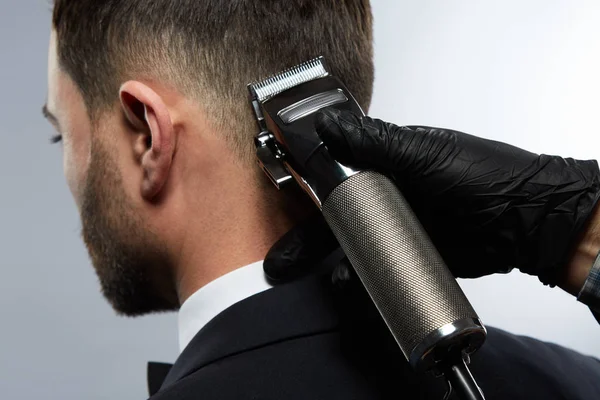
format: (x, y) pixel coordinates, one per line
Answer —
(240, 228)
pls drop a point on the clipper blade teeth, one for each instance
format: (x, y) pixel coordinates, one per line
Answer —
(289, 78)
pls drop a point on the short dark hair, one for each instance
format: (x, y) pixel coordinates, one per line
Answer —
(210, 49)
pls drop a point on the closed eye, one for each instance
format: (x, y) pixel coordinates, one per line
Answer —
(54, 121)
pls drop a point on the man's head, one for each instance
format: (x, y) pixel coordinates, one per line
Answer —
(150, 99)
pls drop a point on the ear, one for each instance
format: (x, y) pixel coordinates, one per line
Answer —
(155, 144)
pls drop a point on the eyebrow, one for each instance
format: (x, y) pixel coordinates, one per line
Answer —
(50, 117)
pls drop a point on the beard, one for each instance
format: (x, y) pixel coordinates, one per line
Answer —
(129, 259)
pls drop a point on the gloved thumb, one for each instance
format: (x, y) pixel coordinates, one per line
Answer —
(360, 142)
(300, 250)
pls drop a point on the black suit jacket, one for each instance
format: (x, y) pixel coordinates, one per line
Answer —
(308, 340)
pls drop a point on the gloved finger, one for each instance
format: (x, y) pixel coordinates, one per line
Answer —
(301, 249)
(361, 142)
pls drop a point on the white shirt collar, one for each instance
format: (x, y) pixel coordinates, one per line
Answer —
(218, 295)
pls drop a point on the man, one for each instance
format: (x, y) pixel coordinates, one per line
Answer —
(150, 103)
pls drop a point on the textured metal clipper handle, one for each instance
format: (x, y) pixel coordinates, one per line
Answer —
(417, 296)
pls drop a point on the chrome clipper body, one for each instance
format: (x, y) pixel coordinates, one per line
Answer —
(426, 311)
(288, 146)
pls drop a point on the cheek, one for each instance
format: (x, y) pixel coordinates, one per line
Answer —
(75, 165)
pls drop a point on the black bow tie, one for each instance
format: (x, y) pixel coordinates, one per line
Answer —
(157, 372)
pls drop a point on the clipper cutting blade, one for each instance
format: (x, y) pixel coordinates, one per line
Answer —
(272, 86)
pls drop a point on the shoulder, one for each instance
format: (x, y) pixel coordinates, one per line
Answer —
(318, 366)
(321, 366)
(535, 368)
(300, 341)
(297, 368)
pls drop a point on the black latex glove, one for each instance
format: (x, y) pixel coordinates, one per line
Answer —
(487, 206)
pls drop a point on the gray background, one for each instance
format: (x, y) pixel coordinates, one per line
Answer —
(525, 72)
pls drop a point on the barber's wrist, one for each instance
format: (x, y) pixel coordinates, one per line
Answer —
(584, 254)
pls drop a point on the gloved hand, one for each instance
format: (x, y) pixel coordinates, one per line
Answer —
(488, 207)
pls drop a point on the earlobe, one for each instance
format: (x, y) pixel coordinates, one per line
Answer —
(155, 145)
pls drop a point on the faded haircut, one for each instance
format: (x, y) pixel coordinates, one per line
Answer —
(210, 49)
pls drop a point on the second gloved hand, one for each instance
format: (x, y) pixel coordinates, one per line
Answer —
(487, 206)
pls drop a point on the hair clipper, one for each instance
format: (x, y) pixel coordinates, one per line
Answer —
(422, 304)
